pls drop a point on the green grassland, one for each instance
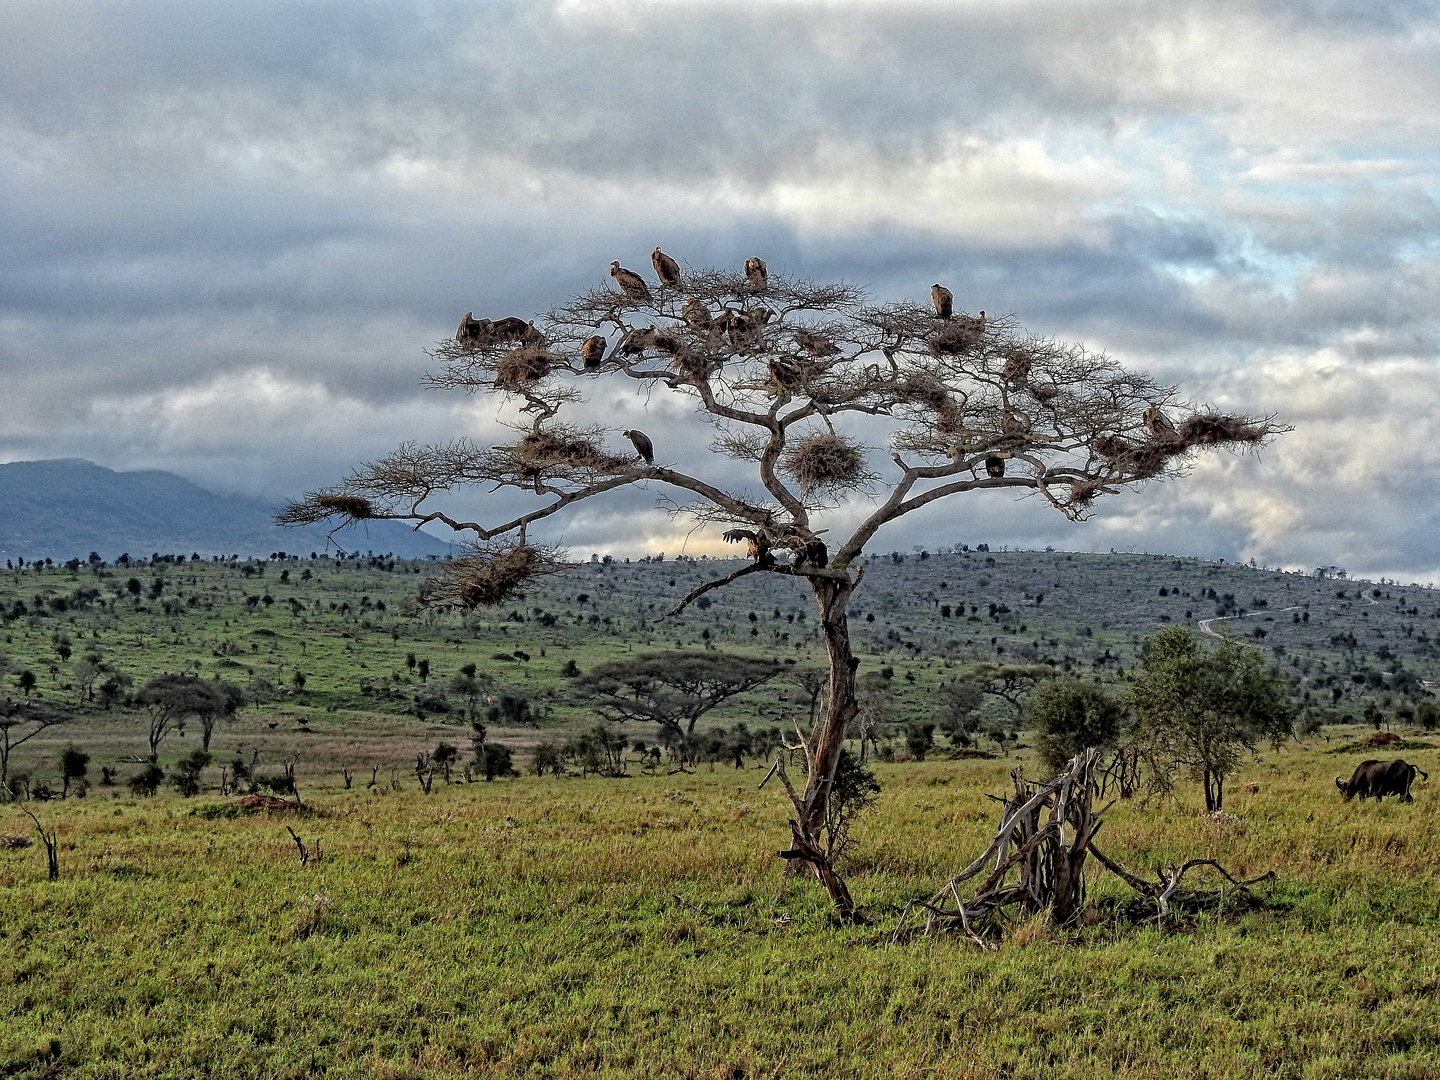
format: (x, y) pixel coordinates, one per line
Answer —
(640, 926)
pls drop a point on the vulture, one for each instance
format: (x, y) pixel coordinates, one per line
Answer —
(472, 330)
(631, 283)
(667, 343)
(635, 341)
(756, 273)
(739, 328)
(811, 553)
(994, 467)
(1159, 425)
(943, 299)
(666, 268)
(643, 446)
(510, 329)
(531, 336)
(757, 544)
(697, 315)
(1017, 369)
(593, 352)
(814, 344)
(787, 376)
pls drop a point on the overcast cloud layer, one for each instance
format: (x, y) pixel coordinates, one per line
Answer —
(230, 231)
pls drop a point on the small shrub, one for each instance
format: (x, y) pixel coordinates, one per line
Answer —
(148, 780)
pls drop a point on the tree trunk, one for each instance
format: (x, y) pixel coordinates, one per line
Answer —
(832, 598)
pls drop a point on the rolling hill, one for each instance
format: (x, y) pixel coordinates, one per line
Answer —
(67, 508)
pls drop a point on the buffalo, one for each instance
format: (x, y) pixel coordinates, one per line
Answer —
(1381, 778)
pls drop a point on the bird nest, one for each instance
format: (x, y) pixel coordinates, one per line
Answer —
(560, 447)
(1210, 429)
(326, 504)
(490, 574)
(826, 462)
(930, 392)
(522, 367)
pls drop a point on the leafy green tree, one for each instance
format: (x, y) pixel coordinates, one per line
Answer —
(74, 764)
(1072, 716)
(1201, 711)
(186, 773)
(148, 780)
(18, 725)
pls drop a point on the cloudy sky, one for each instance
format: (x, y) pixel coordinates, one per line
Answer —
(230, 231)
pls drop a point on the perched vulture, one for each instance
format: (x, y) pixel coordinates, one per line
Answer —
(636, 341)
(643, 446)
(666, 268)
(510, 329)
(787, 376)
(1159, 425)
(739, 329)
(814, 344)
(1017, 369)
(756, 273)
(531, 336)
(811, 553)
(994, 467)
(631, 283)
(666, 343)
(472, 330)
(593, 352)
(761, 315)
(943, 299)
(697, 315)
(757, 544)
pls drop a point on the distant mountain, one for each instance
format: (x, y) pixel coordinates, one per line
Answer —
(69, 508)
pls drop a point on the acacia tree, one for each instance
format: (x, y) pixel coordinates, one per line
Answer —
(672, 690)
(1202, 710)
(789, 373)
(19, 724)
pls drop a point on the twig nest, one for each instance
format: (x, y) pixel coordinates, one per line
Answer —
(543, 448)
(320, 505)
(826, 461)
(926, 390)
(1209, 429)
(491, 574)
(522, 367)
(352, 506)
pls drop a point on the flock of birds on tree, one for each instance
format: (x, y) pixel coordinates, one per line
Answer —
(791, 374)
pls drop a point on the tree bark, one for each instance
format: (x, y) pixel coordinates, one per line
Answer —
(832, 598)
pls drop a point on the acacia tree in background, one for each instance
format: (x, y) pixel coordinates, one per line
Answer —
(788, 373)
(18, 724)
(1202, 710)
(671, 690)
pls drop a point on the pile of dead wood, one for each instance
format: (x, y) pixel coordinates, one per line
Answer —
(1036, 863)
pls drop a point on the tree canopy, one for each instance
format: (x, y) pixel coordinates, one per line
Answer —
(672, 689)
(1200, 711)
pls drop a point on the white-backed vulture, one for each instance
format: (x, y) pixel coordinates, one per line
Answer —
(943, 299)
(666, 268)
(592, 352)
(631, 283)
(697, 315)
(756, 274)
(643, 446)
(994, 467)
(1159, 424)
(815, 344)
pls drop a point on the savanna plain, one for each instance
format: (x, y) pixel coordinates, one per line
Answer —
(638, 924)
